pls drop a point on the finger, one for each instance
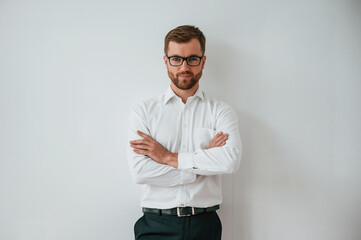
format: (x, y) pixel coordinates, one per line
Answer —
(221, 139)
(212, 142)
(222, 135)
(143, 152)
(143, 135)
(138, 141)
(215, 139)
(220, 144)
(140, 146)
(217, 135)
(141, 141)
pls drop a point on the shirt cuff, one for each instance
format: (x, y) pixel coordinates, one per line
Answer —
(185, 161)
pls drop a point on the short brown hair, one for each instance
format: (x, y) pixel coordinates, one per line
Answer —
(183, 34)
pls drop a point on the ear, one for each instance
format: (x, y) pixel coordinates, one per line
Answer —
(203, 61)
(165, 60)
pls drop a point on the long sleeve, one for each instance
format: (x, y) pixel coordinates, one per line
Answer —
(218, 160)
(144, 170)
(187, 129)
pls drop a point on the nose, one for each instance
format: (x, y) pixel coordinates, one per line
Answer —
(184, 66)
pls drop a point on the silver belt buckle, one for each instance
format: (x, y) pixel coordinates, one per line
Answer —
(184, 215)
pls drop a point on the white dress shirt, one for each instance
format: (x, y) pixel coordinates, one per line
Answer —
(186, 129)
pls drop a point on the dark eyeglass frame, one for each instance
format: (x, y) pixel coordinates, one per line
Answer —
(186, 58)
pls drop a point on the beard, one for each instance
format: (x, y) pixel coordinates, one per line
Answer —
(184, 84)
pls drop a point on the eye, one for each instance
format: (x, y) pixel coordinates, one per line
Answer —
(193, 59)
(175, 59)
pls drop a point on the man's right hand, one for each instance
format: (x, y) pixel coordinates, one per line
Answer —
(219, 140)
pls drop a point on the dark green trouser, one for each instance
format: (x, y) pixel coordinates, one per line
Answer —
(205, 226)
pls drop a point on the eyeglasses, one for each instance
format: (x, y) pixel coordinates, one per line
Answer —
(178, 61)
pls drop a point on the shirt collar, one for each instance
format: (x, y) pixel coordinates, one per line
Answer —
(170, 94)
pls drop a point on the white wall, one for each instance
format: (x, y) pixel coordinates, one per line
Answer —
(70, 71)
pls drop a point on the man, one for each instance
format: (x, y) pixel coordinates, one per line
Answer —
(180, 144)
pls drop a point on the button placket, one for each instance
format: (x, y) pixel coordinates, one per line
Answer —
(184, 144)
(184, 129)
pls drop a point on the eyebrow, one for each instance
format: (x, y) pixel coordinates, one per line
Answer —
(185, 57)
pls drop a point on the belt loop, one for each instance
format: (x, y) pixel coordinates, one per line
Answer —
(159, 212)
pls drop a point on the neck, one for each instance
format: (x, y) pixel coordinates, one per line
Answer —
(184, 94)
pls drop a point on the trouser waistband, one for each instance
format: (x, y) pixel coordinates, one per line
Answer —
(180, 211)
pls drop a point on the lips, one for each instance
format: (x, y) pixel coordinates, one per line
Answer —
(185, 74)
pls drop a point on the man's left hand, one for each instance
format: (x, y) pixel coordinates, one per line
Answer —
(151, 148)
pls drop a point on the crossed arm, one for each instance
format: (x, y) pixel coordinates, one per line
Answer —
(150, 163)
(151, 148)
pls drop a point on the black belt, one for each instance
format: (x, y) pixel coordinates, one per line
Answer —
(180, 211)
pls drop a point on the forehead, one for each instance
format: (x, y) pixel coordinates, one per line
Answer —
(193, 47)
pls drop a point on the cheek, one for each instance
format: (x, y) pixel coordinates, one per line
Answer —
(172, 72)
(197, 70)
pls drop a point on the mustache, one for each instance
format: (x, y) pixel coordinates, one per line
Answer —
(184, 72)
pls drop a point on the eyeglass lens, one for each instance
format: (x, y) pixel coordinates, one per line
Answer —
(191, 61)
